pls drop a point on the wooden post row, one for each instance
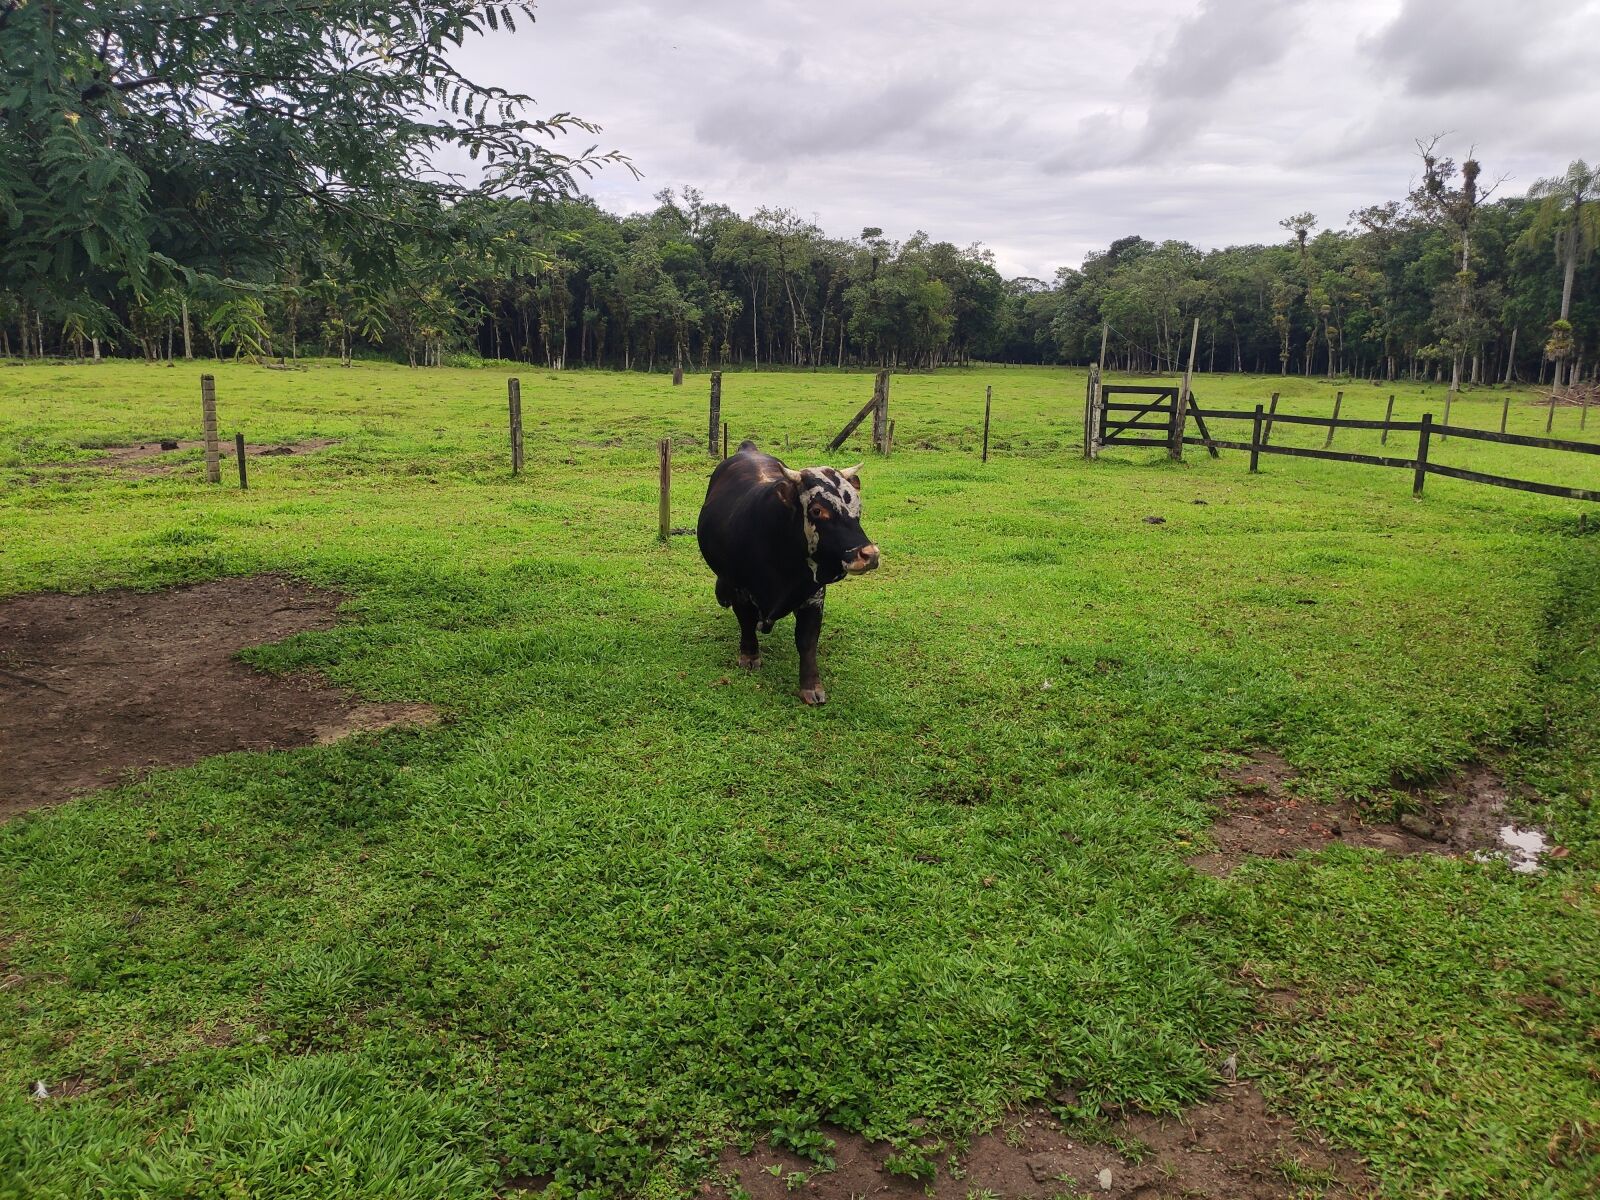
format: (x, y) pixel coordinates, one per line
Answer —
(238, 452)
(1272, 407)
(208, 422)
(1338, 401)
(665, 449)
(1388, 414)
(988, 399)
(1505, 412)
(716, 413)
(1551, 419)
(1255, 442)
(514, 404)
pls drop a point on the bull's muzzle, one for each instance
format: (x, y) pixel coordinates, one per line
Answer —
(865, 559)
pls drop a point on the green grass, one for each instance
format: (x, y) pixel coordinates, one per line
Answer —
(630, 904)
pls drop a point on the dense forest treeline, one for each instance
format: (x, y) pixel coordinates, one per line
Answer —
(180, 178)
(565, 284)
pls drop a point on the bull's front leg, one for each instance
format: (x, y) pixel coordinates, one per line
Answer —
(807, 630)
(749, 647)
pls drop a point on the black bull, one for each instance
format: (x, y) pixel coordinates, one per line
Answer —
(776, 538)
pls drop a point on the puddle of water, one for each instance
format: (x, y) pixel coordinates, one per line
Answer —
(1521, 848)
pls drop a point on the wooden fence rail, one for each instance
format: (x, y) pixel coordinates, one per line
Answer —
(1262, 420)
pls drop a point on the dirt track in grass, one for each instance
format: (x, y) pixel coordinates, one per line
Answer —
(95, 687)
(1232, 1147)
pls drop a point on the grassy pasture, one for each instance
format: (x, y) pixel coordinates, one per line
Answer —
(630, 903)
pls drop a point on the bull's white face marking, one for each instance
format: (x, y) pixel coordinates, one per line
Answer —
(833, 489)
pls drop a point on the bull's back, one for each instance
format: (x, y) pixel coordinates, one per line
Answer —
(737, 511)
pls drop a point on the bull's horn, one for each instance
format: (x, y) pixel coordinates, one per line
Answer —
(853, 473)
(792, 476)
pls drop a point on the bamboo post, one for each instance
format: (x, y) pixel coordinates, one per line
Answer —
(716, 413)
(1422, 456)
(1180, 407)
(1388, 414)
(988, 399)
(1505, 412)
(1255, 442)
(1338, 401)
(514, 405)
(666, 487)
(1550, 420)
(208, 420)
(238, 453)
(1266, 434)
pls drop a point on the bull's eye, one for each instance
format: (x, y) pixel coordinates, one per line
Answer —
(820, 512)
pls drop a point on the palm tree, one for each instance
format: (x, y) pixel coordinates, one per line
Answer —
(1569, 208)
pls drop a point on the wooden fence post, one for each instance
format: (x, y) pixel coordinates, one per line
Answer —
(1388, 413)
(716, 413)
(666, 488)
(1422, 456)
(677, 376)
(880, 411)
(1550, 420)
(238, 452)
(1266, 434)
(1255, 442)
(889, 446)
(1583, 412)
(514, 403)
(988, 398)
(1180, 406)
(1097, 401)
(1338, 400)
(1449, 399)
(724, 439)
(208, 421)
(1505, 411)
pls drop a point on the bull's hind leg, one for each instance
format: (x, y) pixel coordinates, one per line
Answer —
(749, 647)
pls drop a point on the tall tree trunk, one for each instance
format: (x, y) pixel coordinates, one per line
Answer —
(188, 339)
(1511, 357)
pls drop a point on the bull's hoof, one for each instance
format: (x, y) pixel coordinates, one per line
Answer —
(750, 662)
(814, 695)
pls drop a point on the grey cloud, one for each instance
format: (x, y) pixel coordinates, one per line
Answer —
(1465, 46)
(774, 116)
(1046, 131)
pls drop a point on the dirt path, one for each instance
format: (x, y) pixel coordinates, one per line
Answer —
(1232, 1148)
(93, 687)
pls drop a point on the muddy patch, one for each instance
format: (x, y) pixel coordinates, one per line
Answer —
(165, 457)
(1464, 816)
(1233, 1147)
(94, 687)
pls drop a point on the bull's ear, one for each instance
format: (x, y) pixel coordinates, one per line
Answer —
(853, 474)
(789, 492)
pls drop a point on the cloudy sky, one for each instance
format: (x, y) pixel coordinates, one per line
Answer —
(1046, 129)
